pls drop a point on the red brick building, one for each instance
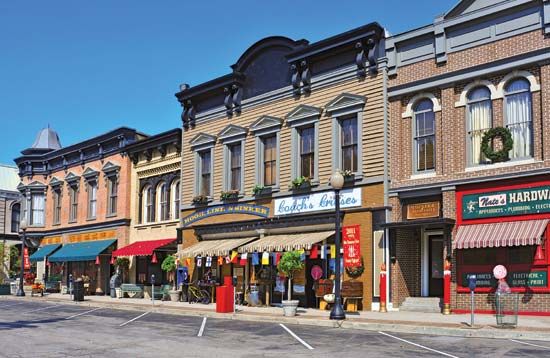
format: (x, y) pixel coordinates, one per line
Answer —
(480, 71)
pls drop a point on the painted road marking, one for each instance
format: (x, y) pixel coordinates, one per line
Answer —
(418, 345)
(529, 344)
(41, 309)
(83, 313)
(13, 304)
(201, 331)
(296, 337)
(133, 319)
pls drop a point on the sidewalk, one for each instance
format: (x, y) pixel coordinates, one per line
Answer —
(529, 327)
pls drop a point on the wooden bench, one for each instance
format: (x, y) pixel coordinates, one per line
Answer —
(351, 304)
(133, 290)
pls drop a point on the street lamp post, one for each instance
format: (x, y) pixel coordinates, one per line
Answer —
(22, 229)
(337, 182)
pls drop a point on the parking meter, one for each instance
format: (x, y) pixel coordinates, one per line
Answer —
(472, 285)
(153, 288)
(472, 282)
(71, 286)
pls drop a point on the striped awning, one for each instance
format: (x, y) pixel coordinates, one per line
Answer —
(287, 242)
(214, 247)
(513, 233)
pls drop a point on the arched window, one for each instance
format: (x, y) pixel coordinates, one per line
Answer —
(163, 206)
(15, 217)
(424, 136)
(518, 117)
(148, 213)
(479, 120)
(176, 199)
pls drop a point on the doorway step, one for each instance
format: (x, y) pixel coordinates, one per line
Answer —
(422, 304)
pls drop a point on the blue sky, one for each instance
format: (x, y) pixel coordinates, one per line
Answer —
(85, 67)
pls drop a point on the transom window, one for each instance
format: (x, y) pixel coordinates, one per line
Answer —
(235, 152)
(270, 160)
(205, 158)
(424, 136)
(307, 152)
(349, 143)
(518, 117)
(479, 120)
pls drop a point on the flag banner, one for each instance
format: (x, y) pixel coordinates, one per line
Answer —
(227, 260)
(277, 258)
(188, 261)
(302, 254)
(352, 249)
(27, 261)
(220, 260)
(255, 259)
(332, 251)
(314, 252)
(208, 261)
(274, 258)
(265, 258)
(234, 256)
(199, 261)
(323, 252)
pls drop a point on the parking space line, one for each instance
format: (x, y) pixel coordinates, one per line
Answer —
(201, 330)
(83, 313)
(529, 344)
(136, 318)
(296, 337)
(41, 309)
(418, 345)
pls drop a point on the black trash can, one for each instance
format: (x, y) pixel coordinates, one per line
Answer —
(78, 290)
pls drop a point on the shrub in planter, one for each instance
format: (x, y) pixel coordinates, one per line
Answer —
(123, 264)
(200, 200)
(301, 183)
(290, 263)
(260, 190)
(229, 195)
(169, 265)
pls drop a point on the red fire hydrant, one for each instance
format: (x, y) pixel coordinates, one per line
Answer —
(383, 288)
(447, 288)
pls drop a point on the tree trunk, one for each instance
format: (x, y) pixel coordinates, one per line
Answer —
(289, 288)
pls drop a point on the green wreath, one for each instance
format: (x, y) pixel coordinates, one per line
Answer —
(355, 272)
(507, 144)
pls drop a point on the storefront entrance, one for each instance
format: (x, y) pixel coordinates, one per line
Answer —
(432, 263)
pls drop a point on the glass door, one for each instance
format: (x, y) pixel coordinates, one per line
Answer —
(436, 265)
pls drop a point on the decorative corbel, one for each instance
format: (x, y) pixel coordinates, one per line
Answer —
(81, 154)
(295, 79)
(371, 57)
(360, 59)
(228, 101)
(100, 151)
(162, 150)
(135, 158)
(237, 98)
(190, 113)
(65, 163)
(305, 77)
(148, 153)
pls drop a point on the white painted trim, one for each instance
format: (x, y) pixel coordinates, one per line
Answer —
(511, 163)
(425, 260)
(535, 87)
(477, 83)
(409, 110)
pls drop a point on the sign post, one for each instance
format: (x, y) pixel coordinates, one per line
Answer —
(472, 286)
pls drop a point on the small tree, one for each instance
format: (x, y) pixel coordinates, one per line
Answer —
(123, 263)
(289, 264)
(169, 265)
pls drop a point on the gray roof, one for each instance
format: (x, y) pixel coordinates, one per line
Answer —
(47, 138)
(9, 178)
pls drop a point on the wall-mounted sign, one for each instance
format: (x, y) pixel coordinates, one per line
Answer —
(514, 279)
(506, 203)
(248, 209)
(423, 210)
(352, 251)
(349, 198)
(93, 236)
(51, 240)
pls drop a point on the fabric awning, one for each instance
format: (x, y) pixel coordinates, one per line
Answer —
(513, 233)
(142, 248)
(44, 252)
(81, 251)
(286, 242)
(214, 247)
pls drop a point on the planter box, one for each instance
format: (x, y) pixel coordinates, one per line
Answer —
(264, 192)
(5, 289)
(232, 197)
(302, 187)
(349, 180)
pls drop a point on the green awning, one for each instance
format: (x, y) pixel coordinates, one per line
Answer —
(44, 252)
(81, 251)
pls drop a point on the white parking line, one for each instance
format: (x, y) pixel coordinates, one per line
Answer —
(529, 344)
(41, 309)
(295, 336)
(418, 345)
(133, 319)
(83, 313)
(201, 330)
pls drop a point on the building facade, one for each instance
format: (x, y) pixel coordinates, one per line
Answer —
(258, 148)
(10, 211)
(76, 201)
(469, 106)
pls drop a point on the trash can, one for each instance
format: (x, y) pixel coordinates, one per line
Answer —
(78, 290)
(225, 297)
(507, 309)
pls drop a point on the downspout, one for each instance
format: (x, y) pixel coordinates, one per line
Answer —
(386, 183)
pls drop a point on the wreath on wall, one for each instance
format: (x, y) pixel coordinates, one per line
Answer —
(355, 272)
(507, 144)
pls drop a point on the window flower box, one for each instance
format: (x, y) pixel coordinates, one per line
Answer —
(200, 200)
(230, 195)
(301, 183)
(260, 190)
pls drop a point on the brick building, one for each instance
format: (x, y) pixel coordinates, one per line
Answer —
(10, 210)
(482, 65)
(76, 201)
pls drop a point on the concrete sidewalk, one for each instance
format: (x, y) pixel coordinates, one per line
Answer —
(529, 327)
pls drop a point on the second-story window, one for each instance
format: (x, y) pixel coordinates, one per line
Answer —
(56, 194)
(205, 173)
(73, 199)
(424, 136)
(147, 198)
(349, 142)
(163, 206)
(176, 199)
(112, 193)
(270, 160)
(37, 209)
(92, 199)
(15, 217)
(518, 117)
(307, 152)
(235, 151)
(479, 120)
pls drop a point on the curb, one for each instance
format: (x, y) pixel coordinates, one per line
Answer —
(436, 330)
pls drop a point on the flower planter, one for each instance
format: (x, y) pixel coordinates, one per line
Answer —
(263, 192)
(349, 180)
(174, 295)
(232, 197)
(290, 307)
(302, 187)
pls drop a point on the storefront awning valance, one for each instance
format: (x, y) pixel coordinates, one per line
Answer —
(214, 247)
(44, 252)
(286, 242)
(514, 233)
(81, 251)
(142, 248)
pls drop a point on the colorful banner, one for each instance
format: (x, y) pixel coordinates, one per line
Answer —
(26, 260)
(352, 250)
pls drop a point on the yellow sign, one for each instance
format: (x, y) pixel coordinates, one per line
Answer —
(92, 236)
(51, 240)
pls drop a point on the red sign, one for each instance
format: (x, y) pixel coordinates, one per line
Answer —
(26, 261)
(352, 250)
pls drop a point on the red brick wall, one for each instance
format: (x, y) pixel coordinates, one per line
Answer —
(405, 271)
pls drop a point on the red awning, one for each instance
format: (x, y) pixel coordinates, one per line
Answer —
(142, 248)
(513, 233)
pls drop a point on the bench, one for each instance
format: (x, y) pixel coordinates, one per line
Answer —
(133, 290)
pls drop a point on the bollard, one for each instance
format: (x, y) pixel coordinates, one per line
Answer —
(447, 288)
(153, 289)
(383, 288)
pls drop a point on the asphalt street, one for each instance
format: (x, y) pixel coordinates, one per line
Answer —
(41, 329)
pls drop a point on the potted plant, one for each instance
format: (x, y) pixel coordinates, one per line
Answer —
(229, 195)
(200, 200)
(289, 264)
(123, 264)
(301, 182)
(260, 190)
(349, 177)
(169, 265)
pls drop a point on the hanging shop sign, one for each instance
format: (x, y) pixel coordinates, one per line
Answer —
(423, 210)
(352, 250)
(514, 279)
(506, 203)
(248, 209)
(349, 198)
(26, 260)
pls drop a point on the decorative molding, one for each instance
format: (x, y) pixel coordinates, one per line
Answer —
(265, 123)
(159, 170)
(365, 58)
(301, 77)
(424, 95)
(345, 101)
(154, 181)
(233, 99)
(232, 132)
(90, 174)
(55, 183)
(202, 139)
(188, 114)
(303, 112)
(477, 83)
(110, 169)
(534, 86)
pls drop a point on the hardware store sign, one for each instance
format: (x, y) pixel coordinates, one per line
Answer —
(349, 198)
(514, 279)
(506, 203)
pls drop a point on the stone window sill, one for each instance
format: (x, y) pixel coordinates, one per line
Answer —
(510, 163)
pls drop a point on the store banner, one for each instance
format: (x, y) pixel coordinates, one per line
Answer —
(352, 250)
(349, 198)
(26, 260)
(524, 201)
(514, 279)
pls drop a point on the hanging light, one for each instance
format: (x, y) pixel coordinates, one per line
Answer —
(97, 260)
(154, 258)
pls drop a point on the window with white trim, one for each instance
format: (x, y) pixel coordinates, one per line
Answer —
(92, 199)
(15, 217)
(235, 166)
(269, 160)
(518, 117)
(349, 143)
(37, 203)
(147, 204)
(479, 119)
(175, 199)
(73, 203)
(163, 205)
(112, 193)
(56, 193)
(424, 136)
(205, 173)
(307, 152)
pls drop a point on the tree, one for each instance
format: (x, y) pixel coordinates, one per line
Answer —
(289, 264)
(169, 265)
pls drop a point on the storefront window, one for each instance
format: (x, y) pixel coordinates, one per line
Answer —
(479, 257)
(521, 254)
